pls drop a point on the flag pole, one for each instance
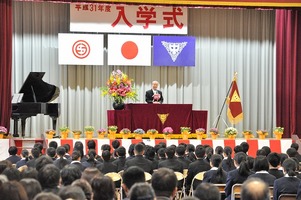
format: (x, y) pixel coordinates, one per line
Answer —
(220, 113)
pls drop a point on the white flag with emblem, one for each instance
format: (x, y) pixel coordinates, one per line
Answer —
(80, 49)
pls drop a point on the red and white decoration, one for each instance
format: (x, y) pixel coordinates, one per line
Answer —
(104, 18)
(80, 49)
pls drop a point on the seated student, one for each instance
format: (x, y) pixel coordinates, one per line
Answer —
(120, 161)
(24, 158)
(31, 186)
(142, 191)
(103, 188)
(47, 196)
(150, 155)
(89, 173)
(53, 144)
(274, 165)
(161, 155)
(255, 189)
(70, 174)
(12, 190)
(13, 158)
(49, 178)
(91, 159)
(171, 162)
(261, 167)
(180, 152)
(107, 166)
(85, 186)
(71, 192)
(76, 157)
(289, 183)
(51, 152)
(296, 146)
(115, 145)
(131, 176)
(67, 148)
(238, 175)
(207, 191)
(228, 163)
(61, 161)
(216, 174)
(12, 174)
(35, 152)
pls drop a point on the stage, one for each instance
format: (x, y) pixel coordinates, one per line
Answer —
(279, 146)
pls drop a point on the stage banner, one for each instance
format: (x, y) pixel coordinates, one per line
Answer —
(174, 51)
(129, 50)
(149, 19)
(80, 49)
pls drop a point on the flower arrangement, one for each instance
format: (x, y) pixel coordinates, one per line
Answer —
(279, 130)
(200, 130)
(230, 131)
(167, 130)
(64, 129)
(152, 131)
(247, 132)
(50, 131)
(213, 131)
(112, 128)
(262, 132)
(101, 130)
(89, 128)
(139, 131)
(119, 87)
(3, 130)
(125, 131)
(185, 130)
(77, 132)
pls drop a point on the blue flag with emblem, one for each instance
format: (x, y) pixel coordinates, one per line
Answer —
(174, 51)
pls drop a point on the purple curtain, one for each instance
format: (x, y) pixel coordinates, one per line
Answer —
(5, 61)
(288, 71)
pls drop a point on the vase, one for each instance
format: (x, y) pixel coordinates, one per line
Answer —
(185, 136)
(167, 137)
(1, 135)
(118, 106)
(278, 135)
(247, 136)
(214, 136)
(48, 136)
(125, 136)
(76, 135)
(112, 134)
(231, 136)
(138, 137)
(152, 136)
(101, 135)
(89, 134)
(261, 136)
(64, 134)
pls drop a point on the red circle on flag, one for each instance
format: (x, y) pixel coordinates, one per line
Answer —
(129, 50)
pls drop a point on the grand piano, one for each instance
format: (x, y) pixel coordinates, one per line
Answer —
(34, 98)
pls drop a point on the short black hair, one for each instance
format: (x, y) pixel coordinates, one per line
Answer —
(207, 191)
(105, 147)
(115, 144)
(170, 152)
(106, 155)
(61, 151)
(31, 186)
(71, 192)
(121, 151)
(164, 181)
(53, 144)
(161, 153)
(200, 152)
(38, 145)
(274, 159)
(261, 163)
(291, 152)
(12, 174)
(75, 155)
(132, 175)
(42, 161)
(91, 144)
(139, 148)
(238, 148)
(51, 152)
(69, 174)
(245, 147)
(267, 150)
(49, 176)
(67, 147)
(295, 146)
(180, 150)
(12, 150)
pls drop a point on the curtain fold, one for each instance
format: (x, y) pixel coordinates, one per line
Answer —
(288, 83)
(5, 61)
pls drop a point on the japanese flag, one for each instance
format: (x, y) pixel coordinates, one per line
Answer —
(129, 50)
(80, 49)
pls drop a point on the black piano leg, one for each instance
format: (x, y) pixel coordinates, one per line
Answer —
(54, 123)
(16, 127)
(23, 123)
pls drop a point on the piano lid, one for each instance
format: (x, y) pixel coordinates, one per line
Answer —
(36, 90)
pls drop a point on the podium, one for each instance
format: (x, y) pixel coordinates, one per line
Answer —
(158, 116)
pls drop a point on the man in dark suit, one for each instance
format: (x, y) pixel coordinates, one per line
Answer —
(107, 166)
(76, 157)
(171, 162)
(274, 164)
(154, 95)
(120, 161)
(13, 158)
(139, 160)
(199, 165)
(164, 183)
(180, 151)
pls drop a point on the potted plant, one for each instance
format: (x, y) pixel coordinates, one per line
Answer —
(214, 133)
(278, 132)
(50, 133)
(89, 131)
(200, 133)
(112, 131)
(125, 133)
(167, 131)
(119, 88)
(185, 131)
(3, 131)
(76, 134)
(101, 133)
(152, 133)
(138, 133)
(64, 132)
(248, 134)
(262, 134)
(231, 132)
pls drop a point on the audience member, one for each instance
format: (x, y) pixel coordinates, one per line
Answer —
(238, 175)
(142, 191)
(296, 146)
(216, 174)
(24, 158)
(79, 147)
(245, 147)
(139, 160)
(51, 152)
(208, 153)
(149, 154)
(12, 190)
(266, 149)
(207, 191)
(115, 145)
(107, 166)
(67, 148)
(164, 183)
(49, 177)
(35, 152)
(180, 152)
(289, 183)
(40, 147)
(76, 157)
(85, 186)
(228, 163)
(47, 196)
(161, 155)
(250, 162)
(255, 189)
(29, 173)
(70, 174)
(131, 152)
(274, 164)
(237, 149)
(131, 176)
(120, 160)
(71, 192)
(103, 188)
(13, 158)
(42, 161)
(5, 164)
(61, 161)
(219, 150)
(12, 174)
(171, 162)
(31, 186)
(53, 144)
(261, 167)
(190, 148)
(89, 173)
(291, 152)
(90, 159)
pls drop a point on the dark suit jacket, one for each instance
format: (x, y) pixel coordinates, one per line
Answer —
(31, 163)
(226, 166)
(149, 96)
(285, 185)
(185, 162)
(119, 162)
(140, 161)
(107, 167)
(78, 164)
(233, 177)
(276, 172)
(21, 163)
(200, 165)
(211, 177)
(173, 164)
(266, 177)
(299, 192)
(13, 159)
